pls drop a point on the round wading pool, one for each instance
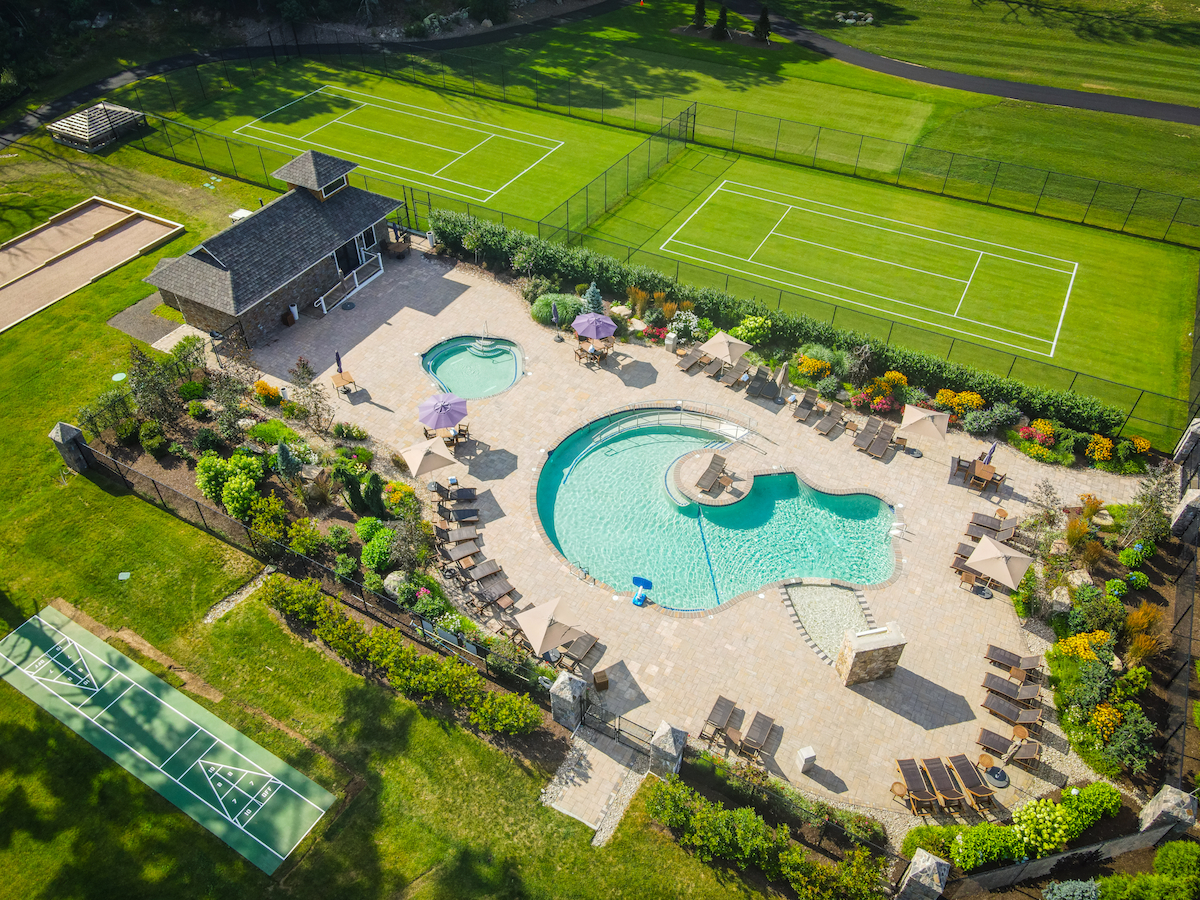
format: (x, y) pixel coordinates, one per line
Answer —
(472, 367)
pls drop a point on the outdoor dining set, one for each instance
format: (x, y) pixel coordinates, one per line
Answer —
(979, 473)
(749, 744)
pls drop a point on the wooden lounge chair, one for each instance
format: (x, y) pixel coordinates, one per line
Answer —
(1010, 712)
(805, 405)
(882, 440)
(457, 515)
(456, 495)
(770, 389)
(719, 717)
(494, 590)
(978, 793)
(690, 360)
(939, 776)
(993, 743)
(1010, 660)
(867, 433)
(1020, 693)
(455, 535)
(483, 570)
(459, 551)
(578, 649)
(735, 372)
(990, 522)
(756, 734)
(832, 418)
(714, 367)
(757, 380)
(959, 565)
(1028, 755)
(921, 800)
(708, 480)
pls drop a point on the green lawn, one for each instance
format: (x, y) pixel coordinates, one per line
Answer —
(1108, 46)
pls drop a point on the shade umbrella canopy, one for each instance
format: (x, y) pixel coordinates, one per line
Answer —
(442, 411)
(1000, 563)
(554, 312)
(781, 378)
(427, 456)
(337, 357)
(594, 326)
(544, 631)
(987, 460)
(722, 346)
(919, 422)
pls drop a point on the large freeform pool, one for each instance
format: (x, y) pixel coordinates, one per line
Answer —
(473, 367)
(603, 499)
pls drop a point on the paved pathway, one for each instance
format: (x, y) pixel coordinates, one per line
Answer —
(662, 667)
(589, 780)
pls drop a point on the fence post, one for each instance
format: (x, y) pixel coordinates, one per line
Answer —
(1010, 367)
(951, 350)
(947, 176)
(1131, 208)
(225, 69)
(602, 115)
(1121, 430)
(992, 187)
(778, 129)
(537, 92)
(200, 511)
(200, 81)
(858, 156)
(733, 140)
(229, 148)
(817, 146)
(442, 63)
(569, 80)
(503, 85)
(170, 93)
(199, 149)
(1174, 215)
(888, 340)
(1045, 181)
(274, 58)
(266, 176)
(1092, 200)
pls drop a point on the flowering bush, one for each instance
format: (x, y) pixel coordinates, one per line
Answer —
(861, 399)
(1038, 436)
(1104, 721)
(754, 330)
(1116, 587)
(654, 335)
(1080, 645)
(1041, 826)
(1099, 448)
(960, 403)
(985, 843)
(884, 404)
(1140, 444)
(1045, 428)
(267, 394)
(684, 325)
(1139, 581)
(813, 368)
(1133, 557)
(1040, 453)
(399, 498)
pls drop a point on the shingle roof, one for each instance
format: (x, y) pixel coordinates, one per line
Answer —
(243, 264)
(314, 170)
(101, 122)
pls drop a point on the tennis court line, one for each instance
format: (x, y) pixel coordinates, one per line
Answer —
(216, 740)
(886, 262)
(967, 287)
(327, 124)
(1062, 315)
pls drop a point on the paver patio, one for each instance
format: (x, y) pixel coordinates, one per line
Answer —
(666, 667)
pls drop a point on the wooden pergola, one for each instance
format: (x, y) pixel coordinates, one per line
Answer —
(92, 128)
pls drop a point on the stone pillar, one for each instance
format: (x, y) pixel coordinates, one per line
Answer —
(870, 655)
(1170, 806)
(1185, 512)
(1188, 442)
(666, 750)
(566, 700)
(925, 879)
(67, 438)
(806, 758)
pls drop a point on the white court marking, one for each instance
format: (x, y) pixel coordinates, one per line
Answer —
(486, 131)
(68, 664)
(859, 218)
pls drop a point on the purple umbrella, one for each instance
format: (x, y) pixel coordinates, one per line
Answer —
(987, 460)
(594, 326)
(442, 411)
(337, 357)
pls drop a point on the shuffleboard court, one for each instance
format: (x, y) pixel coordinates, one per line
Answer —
(256, 803)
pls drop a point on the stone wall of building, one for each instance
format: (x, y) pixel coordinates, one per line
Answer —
(266, 317)
(870, 655)
(197, 314)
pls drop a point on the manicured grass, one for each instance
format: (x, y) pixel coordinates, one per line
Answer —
(168, 312)
(1106, 46)
(848, 240)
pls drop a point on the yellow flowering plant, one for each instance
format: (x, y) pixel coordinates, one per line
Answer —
(962, 402)
(1080, 645)
(1105, 720)
(1140, 444)
(1043, 427)
(1099, 448)
(811, 367)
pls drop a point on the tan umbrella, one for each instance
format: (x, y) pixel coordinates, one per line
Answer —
(427, 456)
(1000, 563)
(919, 422)
(543, 630)
(781, 379)
(722, 346)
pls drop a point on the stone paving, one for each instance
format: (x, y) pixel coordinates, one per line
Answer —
(663, 667)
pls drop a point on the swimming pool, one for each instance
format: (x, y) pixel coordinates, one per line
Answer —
(472, 366)
(604, 500)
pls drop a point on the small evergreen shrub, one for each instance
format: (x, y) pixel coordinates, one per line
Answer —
(197, 410)
(338, 538)
(304, 538)
(152, 439)
(206, 440)
(506, 713)
(272, 432)
(367, 527)
(1071, 890)
(1178, 859)
(377, 553)
(127, 431)
(192, 390)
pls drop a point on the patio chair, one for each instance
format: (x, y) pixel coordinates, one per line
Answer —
(832, 418)
(770, 389)
(959, 565)
(1004, 535)
(579, 648)
(464, 433)
(1010, 660)
(715, 467)
(805, 405)
(757, 380)
(756, 734)
(582, 356)
(954, 464)
(867, 433)
(459, 551)
(429, 435)
(690, 360)
(483, 570)
(455, 535)
(989, 522)
(993, 743)
(457, 515)
(1028, 755)
(714, 367)
(978, 793)
(939, 776)
(997, 482)
(967, 579)
(718, 719)
(494, 590)
(882, 440)
(735, 372)
(1010, 712)
(921, 800)
(456, 495)
(1021, 693)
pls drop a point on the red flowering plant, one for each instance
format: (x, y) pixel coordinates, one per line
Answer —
(861, 399)
(654, 335)
(884, 404)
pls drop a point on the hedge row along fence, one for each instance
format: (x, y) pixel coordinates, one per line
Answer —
(505, 248)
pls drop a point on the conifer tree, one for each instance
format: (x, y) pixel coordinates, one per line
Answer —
(700, 16)
(592, 301)
(762, 30)
(285, 462)
(720, 31)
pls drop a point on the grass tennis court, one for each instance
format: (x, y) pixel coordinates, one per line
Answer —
(244, 795)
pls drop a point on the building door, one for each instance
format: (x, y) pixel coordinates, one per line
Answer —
(347, 257)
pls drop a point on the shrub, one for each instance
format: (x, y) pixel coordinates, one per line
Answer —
(985, 843)
(267, 394)
(152, 439)
(1084, 807)
(1041, 826)
(350, 432)
(192, 390)
(272, 432)
(1141, 648)
(127, 430)
(1132, 683)
(506, 713)
(1130, 745)
(239, 494)
(367, 527)
(377, 553)
(206, 440)
(304, 538)
(1178, 859)
(1143, 620)
(672, 803)
(293, 410)
(495, 10)
(373, 582)
(569, 306)
(828, 387)
(285, 463)
(1083, 645)
(177, 449)
(1144, 886)
(1135, 556)
(936, 839)
(197, 410)
(211, 473)
(754, 330)
(1138, 581)
(267, 517)
(338, 538)
(1077, 533)
(1116, 587)
(1096, 612)
(1071, 890)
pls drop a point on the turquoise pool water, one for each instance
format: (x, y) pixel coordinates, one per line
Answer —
(606, 508)
(474, 367)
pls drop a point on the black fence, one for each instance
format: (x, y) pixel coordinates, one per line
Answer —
(1112, 206)
(620, 729)
(379, 607)
(1179, 654)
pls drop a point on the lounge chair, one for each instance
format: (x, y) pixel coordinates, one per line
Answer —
(939, 776)
(494, 590)
(993, 743)
(459, 551)
(867, 433)
(483, 570)
(719, 717)
(690, 360)
(457, 515)
(990, 522)
(455, 535)
(456, 495)
(757, 380)
(832, 418)
(921, 800)
(882, 440)
(738, 369)
(1010, 660)
(1010, 712)
(1021, 693)
(757, 733)
(716, 466)
(978, 793)
(805, 405)
(578, 649)
(959, 565)
(1028, 755)
(769, 390)
(714, 367)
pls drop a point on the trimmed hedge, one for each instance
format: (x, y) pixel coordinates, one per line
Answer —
(500, 246)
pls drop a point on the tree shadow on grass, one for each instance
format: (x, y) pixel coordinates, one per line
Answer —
(476, 873)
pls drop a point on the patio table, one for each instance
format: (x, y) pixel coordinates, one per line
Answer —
(342, 382)
(981, 471)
